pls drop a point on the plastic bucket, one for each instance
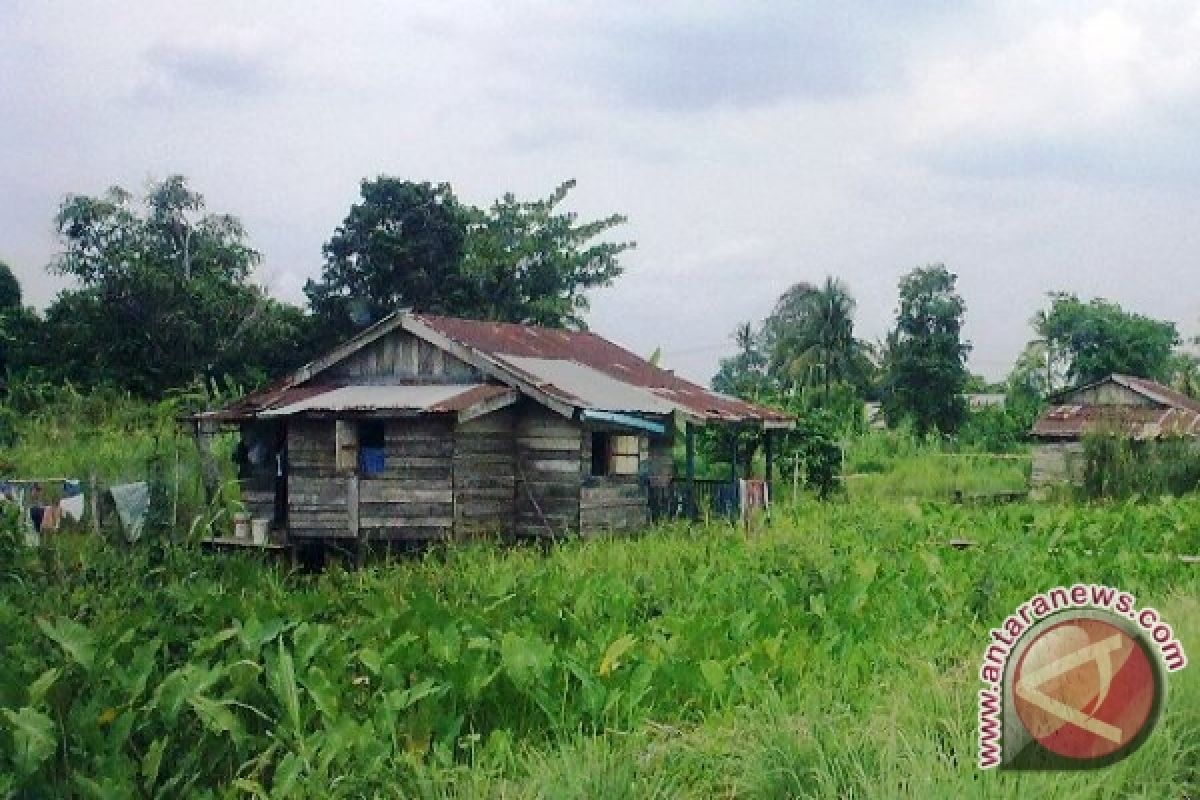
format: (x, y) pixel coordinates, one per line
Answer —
(259, 529)
(241, 526)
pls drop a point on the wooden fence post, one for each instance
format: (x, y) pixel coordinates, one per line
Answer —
(352, 518)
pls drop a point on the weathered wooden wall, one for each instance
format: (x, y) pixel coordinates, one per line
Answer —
(485, 476)
(257, 483)
(413, 498)
(1056, 463)
(400, 357)
(613, 502)
(1106, 394)
(548, 448)
(317, 497)
(661, 464)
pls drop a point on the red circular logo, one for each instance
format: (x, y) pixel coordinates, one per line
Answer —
(1084, 688)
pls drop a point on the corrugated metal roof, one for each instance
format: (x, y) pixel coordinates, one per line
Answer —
(1138, 422)
(1159, 393)
(586, 387)
(510, 343)
(573, 368)
(418, 398)
(275, 395)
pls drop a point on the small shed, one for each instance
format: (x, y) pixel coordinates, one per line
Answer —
(1124, 405)
(425, 427)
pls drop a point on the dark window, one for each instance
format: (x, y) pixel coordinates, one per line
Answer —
(601, 450)
(372, 440)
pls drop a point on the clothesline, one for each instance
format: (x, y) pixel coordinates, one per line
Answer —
(131, 501)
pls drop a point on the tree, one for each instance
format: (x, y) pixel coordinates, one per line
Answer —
(10, 289)
(402, 246)
(810, 339)
(925, 365)
(163, 297)
(19, 326)
(1185, 373)
(532, 263)
(744, 374)
(1098, 338)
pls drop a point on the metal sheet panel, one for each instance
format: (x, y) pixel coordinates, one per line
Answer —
(589, 387)
(379, 398)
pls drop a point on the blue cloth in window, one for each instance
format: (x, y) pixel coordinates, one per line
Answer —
(371, 460)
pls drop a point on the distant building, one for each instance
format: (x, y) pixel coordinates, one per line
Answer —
(1124, 405)
(977, 401)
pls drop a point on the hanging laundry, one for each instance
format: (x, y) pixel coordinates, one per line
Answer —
(133, 503)
(36, 515)
(50, 519)
(72, 507)
(72, 488)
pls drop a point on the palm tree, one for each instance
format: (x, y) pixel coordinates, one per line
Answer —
(825, 347)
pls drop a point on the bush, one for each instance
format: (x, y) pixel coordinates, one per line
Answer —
(1118, 467)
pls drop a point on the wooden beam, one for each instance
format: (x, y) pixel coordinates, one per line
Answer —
(488, 406)
(352, 516)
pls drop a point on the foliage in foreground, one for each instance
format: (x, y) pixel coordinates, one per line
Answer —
(833, 654)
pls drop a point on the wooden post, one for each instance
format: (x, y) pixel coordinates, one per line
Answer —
(94, 499)
(733, 459)
(352, 518)
(690, 450)
(769, 453)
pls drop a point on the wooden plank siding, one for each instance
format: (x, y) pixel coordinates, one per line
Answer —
(400, 357)
(548, 453)
(485, 480)
(612, 503)
(413, 498)
(317, 493)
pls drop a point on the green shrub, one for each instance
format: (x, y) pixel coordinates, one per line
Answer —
(1118, 467)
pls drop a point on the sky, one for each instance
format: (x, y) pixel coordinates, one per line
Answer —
(1029, 146)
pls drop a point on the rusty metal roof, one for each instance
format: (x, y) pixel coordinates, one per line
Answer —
(279, 393)
(1137, 422)
(588, 371)
(1173, 413)
(574, 368)
(1157, 392)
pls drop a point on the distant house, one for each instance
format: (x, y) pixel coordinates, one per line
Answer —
(425, 427)
(981, 400)
(1124, 405)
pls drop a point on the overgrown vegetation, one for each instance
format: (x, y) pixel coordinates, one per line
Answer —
(1120, 467)
(832, 655)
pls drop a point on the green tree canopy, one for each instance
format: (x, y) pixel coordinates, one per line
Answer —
(1097, 338)
(925, 360)
(745, 373)
(401, 246)
(414, 245)
(809, 339)
(533, 262)
(162, 298)
(10, 289)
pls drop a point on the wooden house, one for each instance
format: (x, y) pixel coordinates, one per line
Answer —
(1122, 405)
(425, 427)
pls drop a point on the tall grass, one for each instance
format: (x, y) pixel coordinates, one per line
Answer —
(897, 465)
(832, 655)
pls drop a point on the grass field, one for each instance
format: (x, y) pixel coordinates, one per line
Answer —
(833, 654)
